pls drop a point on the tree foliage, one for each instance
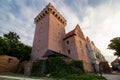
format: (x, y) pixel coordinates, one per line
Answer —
(3, 46)
(11, 45)
(115, 45)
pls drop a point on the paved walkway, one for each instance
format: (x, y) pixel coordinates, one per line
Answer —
(112, 76)
(19, 78)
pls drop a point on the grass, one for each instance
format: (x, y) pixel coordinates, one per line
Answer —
(69, 77)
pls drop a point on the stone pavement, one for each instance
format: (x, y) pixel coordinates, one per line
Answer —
(112, 76)
(19, 78)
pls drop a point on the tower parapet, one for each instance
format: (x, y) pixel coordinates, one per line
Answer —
(49, 9)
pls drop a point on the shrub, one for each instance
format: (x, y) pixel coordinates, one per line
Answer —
(76, 66)
(84, 77)
(55, 66)
(58, 69)
(36, 68)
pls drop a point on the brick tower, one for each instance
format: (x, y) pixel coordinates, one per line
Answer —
(49, 32)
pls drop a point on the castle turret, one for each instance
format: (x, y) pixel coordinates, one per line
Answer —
(49, 32)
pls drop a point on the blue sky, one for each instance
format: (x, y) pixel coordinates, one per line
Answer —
(99, 19)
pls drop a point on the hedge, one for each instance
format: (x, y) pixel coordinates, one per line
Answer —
(58, 69)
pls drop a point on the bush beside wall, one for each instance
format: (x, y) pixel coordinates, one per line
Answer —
(56, 66)
(59, 70)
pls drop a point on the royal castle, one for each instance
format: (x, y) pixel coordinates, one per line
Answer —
(51, 40)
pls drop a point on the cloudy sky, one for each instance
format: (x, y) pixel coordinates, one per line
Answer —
(99, 19)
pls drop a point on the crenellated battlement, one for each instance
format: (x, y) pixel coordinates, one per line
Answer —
(49, 9)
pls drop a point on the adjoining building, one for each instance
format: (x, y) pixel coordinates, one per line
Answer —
(95, 55)
(116, 64)
(50, 39)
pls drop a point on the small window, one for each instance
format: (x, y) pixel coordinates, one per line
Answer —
(53, 13)
(43, 14)
(67, 42)
(61, 20)
(46, 12)
(56, 15)
(69, 51)
(39, 18)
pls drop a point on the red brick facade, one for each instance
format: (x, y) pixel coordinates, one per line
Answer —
(50, 35)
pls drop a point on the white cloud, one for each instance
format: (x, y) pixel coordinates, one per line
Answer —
(100, 23)
(103, 25)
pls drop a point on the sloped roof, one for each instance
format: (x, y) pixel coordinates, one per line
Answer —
(117, 60)
(73, 33)
(53, 53)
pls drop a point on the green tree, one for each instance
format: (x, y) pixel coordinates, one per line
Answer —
(3, 46)
(24, 52)
(13, 41)
(115, 45)
(12, 46)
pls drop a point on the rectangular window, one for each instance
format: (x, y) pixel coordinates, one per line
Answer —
(69, 51)
(67, 42)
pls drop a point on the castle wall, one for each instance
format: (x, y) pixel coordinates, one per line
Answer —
(71, 49)
(56, 34)
(83, 53)
(50, 34)
(40, 44)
